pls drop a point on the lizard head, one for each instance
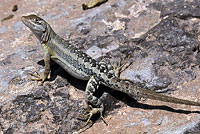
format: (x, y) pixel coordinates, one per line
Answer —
(40, 28)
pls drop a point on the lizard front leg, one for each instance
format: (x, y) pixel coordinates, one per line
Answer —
(46, 72)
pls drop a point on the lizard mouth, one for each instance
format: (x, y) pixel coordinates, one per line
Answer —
(23, 18)
(26, 22)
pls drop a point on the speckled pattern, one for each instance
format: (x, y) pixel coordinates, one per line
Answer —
(165, 58)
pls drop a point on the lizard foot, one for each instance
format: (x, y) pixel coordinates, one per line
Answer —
(118, 69)
(37, 76)
(91, 112)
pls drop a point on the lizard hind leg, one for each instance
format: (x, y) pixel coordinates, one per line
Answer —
(120, 65)
(92, 85)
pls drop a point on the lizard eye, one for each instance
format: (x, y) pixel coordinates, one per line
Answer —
(36, 20)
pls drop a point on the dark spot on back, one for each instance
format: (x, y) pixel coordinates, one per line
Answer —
(110, 75)
(93, 63)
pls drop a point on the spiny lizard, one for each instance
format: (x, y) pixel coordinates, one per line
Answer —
(82, 66)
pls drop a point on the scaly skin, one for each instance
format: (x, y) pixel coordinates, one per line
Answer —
(82, 66)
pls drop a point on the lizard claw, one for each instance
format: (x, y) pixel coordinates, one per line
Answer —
(37, 76)
(91, 112)
(120, 64)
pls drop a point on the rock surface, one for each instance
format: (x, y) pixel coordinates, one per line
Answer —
(161, 38)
